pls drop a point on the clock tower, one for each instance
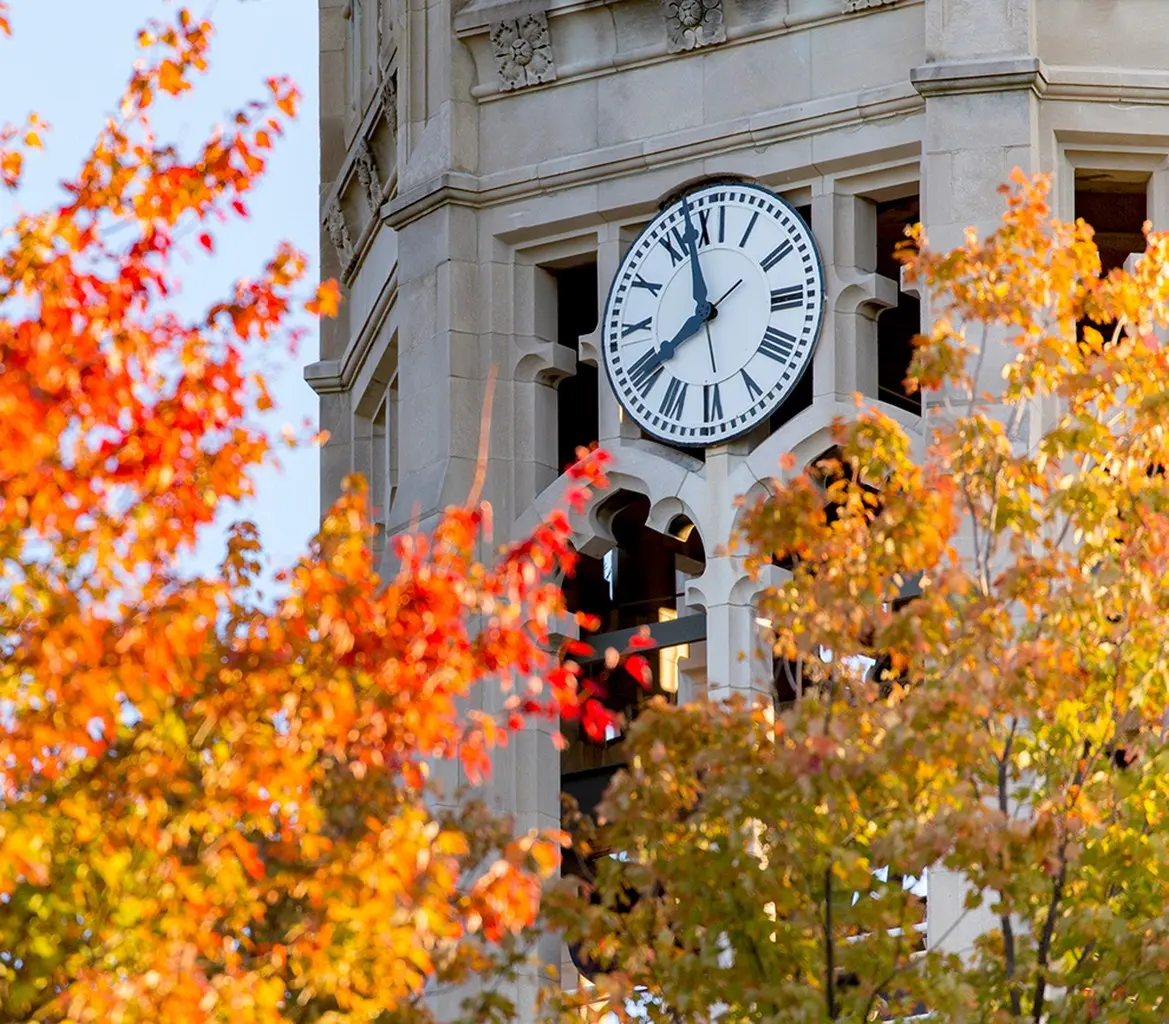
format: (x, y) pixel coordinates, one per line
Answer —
(668, 227)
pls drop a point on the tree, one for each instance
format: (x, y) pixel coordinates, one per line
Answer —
(979, 624)
(216, 806)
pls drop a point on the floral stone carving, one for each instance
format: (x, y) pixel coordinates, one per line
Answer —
(368, 176)
(339, 234)
(693, 23)
(389, 94)
(864, 5)
(523, 51)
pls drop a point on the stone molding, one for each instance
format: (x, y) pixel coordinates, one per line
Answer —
(850, 6)
(792, 121)
(333, 376)
(999, 74)
(523, 51)
(691, 24)
(1107, 85)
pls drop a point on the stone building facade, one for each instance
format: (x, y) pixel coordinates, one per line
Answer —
(485, 164)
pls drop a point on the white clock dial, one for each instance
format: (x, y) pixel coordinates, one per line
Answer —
(713, 315)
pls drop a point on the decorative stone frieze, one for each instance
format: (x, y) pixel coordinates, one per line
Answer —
(339, 234)
(523, 51)
(693, 23)
(388, 90)
(368, 177)
(864, 5)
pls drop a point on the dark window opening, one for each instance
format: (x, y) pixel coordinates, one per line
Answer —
(577, 420)
(802, 394)
(638, 582)
(896, 327)
(1116, 205)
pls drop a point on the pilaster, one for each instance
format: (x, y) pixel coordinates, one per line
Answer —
(981, 82)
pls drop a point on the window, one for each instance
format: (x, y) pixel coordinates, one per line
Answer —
(1115, 203)
(639, 582)
(376, 451)
(383, 478)
(896, 327)
(577, 421)
(361, 48)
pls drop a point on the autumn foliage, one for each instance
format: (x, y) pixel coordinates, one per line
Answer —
(975, 621)
(218, 807)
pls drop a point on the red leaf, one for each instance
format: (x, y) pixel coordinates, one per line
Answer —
(642, 641)
(205, 241)
(639, 668)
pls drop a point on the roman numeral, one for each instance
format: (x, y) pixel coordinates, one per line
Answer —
(753, 389)
(650, 286)
(644, 373)
(704, 227)
(676, 257)
(787, 298)
(722, 223)
(780, 252)
(712, 403)
(674, 399)
(777, 345)
(641, 325)
(750, 228)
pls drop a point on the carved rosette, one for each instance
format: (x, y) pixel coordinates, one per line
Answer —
(693, 23)
(368, 177)
(523, 51)
(339, 234)
(864, 5)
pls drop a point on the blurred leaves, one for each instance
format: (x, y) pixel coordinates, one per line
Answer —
(218, 807)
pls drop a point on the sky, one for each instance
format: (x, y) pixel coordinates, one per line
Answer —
(69, 59)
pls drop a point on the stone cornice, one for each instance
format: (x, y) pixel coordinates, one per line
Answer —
(788, 122)
(1107, 85)
(332, 376)
(998, 74)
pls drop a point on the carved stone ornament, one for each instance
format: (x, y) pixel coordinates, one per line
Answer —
(693, 23)
(864, 5)
(389, 94)
(368, 177)
(523, 51)
(339, 234)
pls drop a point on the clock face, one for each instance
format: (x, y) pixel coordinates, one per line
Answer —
(713, 314)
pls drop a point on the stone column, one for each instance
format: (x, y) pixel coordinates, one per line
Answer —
(982, 83)
(737, 661)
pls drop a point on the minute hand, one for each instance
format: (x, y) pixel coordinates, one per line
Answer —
(699, 282)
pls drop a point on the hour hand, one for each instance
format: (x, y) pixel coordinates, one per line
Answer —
(699, 282)
(688, 329)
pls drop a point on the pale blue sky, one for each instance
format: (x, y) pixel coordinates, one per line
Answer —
(68, 60)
